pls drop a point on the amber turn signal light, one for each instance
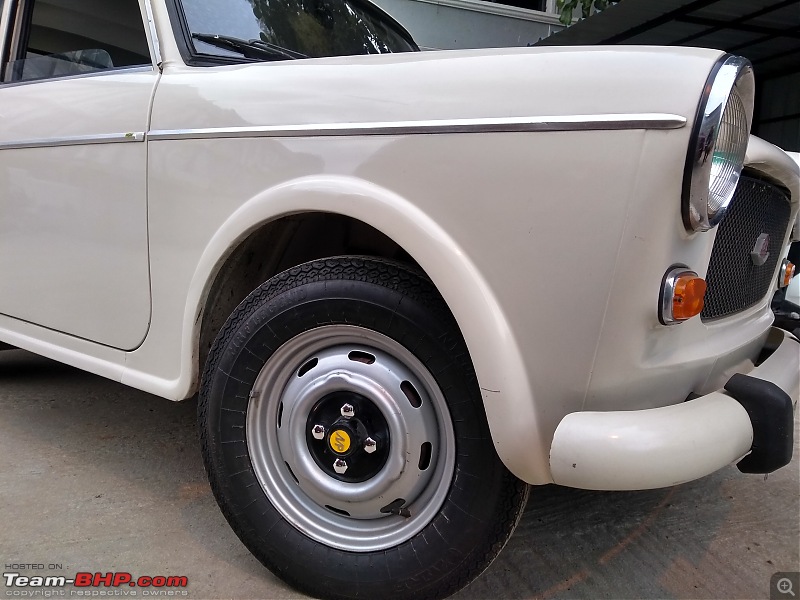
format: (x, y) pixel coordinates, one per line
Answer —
(688, 300)
(682, 296)
(787, 272)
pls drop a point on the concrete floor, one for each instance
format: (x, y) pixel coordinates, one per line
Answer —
(95, 476)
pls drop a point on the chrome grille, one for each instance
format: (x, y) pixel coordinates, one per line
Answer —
(734, 281)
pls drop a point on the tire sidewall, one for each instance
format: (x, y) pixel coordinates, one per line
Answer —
(292, 304)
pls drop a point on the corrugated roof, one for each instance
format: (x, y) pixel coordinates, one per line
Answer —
(765, 31)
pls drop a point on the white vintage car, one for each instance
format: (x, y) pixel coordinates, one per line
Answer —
(405, 285)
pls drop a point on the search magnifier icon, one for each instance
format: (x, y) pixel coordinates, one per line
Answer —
(784, 586)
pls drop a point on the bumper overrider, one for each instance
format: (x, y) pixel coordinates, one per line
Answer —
(750, 422)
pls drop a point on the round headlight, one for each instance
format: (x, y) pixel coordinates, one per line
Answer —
(719, 143)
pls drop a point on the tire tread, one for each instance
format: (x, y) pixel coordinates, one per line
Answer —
(412, 285)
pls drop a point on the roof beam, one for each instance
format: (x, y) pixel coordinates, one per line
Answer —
(665, 18)
(715, 26)
(737, 24)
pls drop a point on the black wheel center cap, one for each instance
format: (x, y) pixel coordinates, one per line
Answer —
(348, 437)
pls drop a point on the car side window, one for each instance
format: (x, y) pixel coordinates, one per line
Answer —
(60, 38)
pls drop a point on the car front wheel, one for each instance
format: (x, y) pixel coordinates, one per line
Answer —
(345, 438)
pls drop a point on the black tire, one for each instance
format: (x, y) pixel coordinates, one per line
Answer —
(479, 501)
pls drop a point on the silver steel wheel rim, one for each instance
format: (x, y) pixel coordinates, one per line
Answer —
(305, 495)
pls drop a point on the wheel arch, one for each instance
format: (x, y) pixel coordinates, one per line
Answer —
(411, 234)
(276, 246)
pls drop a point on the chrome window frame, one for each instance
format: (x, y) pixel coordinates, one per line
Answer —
(5, 20)
(12, 30)
(152, 33)
(10, 44)
(112, 71)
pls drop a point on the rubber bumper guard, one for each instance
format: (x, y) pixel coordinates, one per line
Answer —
(771, 413)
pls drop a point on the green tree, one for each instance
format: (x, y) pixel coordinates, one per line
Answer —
(568, 7)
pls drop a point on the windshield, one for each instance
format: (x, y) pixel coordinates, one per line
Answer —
(313, 28)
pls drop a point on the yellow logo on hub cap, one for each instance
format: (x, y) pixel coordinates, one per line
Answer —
(340, 441)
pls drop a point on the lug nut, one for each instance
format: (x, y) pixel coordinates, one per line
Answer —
(348, 410)
(339, 466)
(370, 445)
(318, 431)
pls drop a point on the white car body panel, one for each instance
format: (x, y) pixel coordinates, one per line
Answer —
(656, 451)
(73, 240)
(551, 264)
(498, 231)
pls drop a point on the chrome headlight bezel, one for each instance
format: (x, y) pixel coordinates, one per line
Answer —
(710, 178)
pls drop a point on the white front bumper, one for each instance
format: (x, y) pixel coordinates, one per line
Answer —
(660, 447)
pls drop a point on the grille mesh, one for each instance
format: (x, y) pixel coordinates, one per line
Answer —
(734, 282)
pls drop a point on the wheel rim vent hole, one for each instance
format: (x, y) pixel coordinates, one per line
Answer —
(394, 507)
(291, 473)
(338, 511)
(362, 357)
(307, 367)
(280, 415)
(425, 453)
(411, 393)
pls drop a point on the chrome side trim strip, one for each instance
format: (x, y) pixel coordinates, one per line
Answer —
(77, 140)
(491, 125)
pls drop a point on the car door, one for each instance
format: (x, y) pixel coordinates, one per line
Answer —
(77, 80)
